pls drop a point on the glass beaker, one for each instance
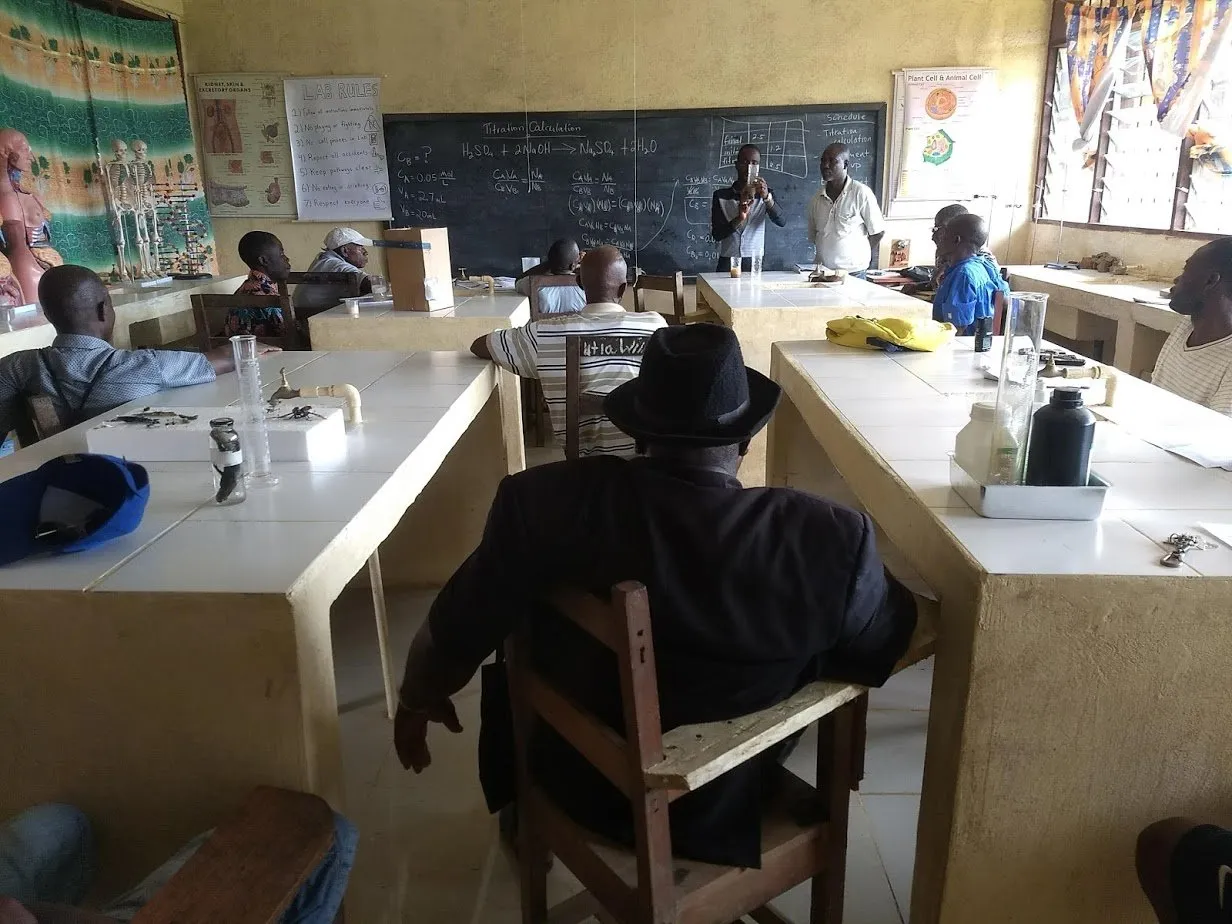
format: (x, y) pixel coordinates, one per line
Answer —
(733, 268)
(257, 472)
(1023, 337)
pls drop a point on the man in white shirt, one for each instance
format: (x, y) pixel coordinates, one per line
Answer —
(537, 350)
(344, 250)
(844, 220)
(1196, 361)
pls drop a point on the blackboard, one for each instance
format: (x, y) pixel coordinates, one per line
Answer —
(508, 184)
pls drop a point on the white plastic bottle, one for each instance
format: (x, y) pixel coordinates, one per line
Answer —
(973, 445)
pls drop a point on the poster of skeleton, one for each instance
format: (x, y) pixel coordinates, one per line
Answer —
(242, 124)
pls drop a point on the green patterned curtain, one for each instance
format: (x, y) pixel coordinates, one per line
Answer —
(72, 80)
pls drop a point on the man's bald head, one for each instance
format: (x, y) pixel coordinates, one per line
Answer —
(75, 301)
(604, 275)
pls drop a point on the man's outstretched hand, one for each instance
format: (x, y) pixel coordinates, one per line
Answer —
(411, 732)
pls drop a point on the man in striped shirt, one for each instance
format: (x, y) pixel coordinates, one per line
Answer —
(1196, 361)
(537, 350)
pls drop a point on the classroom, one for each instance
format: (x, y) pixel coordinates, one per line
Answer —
(510, 461)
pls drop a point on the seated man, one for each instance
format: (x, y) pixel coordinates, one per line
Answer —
(1196, 361)
(1185, 869)
(81, 371)
(537, 351)
(268, 265)
(940, 220)
(971, 279)
(754, 592)
(344, 250)
(47, 862)
(563, 260)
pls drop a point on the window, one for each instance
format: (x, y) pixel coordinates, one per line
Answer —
(1131, 173)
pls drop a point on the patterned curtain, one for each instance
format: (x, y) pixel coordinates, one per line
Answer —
(72, 80)
(1181, 40)
(1095, 47)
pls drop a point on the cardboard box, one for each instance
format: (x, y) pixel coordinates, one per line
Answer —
(421, 274)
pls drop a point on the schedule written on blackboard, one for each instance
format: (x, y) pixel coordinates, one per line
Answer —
(338, 148)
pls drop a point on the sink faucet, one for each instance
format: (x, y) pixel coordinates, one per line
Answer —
(349, 393)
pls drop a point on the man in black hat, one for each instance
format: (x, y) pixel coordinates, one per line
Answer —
(753, 592)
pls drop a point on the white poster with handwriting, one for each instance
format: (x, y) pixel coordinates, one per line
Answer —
(338, 148)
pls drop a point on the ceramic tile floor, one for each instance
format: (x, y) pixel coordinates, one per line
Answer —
(429, 851)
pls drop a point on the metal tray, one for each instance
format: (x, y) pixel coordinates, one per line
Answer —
(1030, 502)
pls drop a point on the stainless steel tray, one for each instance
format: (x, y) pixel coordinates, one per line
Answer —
(1030, 502)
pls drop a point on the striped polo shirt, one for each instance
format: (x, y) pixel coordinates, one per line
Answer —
(1202, 374)
(537, 351)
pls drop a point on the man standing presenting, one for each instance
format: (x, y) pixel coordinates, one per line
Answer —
(844, 219)
(738, 213)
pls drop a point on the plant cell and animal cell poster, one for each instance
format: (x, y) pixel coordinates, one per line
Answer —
(948, 142)
(242, 120)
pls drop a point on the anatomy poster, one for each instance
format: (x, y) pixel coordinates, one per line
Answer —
(948, 141)
(242, 119)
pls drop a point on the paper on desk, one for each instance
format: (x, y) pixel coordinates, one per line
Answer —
(1205, 439)
(1221, 531)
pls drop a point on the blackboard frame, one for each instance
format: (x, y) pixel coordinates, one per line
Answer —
(879, 110)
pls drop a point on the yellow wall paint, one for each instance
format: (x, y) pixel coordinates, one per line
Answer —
(172, 8)
(493, 55)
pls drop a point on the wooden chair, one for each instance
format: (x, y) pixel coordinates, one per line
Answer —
(349, 282)
(540, 282)
(579, 404)
(674, 285)
(210, 312)
(251, 867)
(39, 420)
(534, 407)
(804, 829)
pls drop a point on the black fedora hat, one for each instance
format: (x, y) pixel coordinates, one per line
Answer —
(693, 387)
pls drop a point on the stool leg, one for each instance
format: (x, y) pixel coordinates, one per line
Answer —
(382, 632)
(834, 774)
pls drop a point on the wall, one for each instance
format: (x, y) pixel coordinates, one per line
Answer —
(1162, 256)
(477, 55)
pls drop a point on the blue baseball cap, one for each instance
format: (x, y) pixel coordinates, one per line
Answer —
(71, 504)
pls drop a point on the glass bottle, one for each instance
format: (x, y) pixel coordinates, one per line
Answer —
(227, 459)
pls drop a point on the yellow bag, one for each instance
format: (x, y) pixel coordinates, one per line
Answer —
(923, 334)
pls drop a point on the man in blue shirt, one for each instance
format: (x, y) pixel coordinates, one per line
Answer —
(81, 371)
(972, 279)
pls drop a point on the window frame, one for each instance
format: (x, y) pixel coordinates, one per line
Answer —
(1184, 168)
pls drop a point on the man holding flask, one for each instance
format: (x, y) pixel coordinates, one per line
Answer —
(738, 213)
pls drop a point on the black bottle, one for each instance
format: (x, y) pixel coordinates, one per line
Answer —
(983, 335)
(1061, 436)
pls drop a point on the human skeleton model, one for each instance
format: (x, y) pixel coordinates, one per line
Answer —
(146, 217)
(130, 191)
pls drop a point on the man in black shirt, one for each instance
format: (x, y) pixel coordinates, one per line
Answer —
(738, 213)
(753, 592)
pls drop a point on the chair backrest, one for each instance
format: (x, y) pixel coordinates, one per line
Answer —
(210, 312)
(348, 282)
(251, 867)
(543, 305)
(673, 284)
(623, 625)
(39, 420)
(579, 404)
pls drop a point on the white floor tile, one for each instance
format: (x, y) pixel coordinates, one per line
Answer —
(894, 759)
(894, 820)
(868, 898)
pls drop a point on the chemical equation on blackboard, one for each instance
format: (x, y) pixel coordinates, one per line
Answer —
(572, 146)
(781, 142)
